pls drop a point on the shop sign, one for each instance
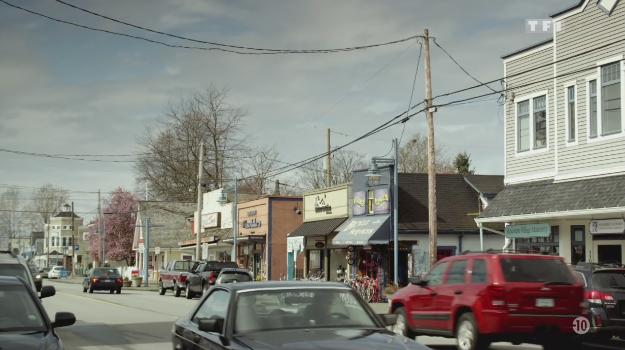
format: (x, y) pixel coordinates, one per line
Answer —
(252, 223)
(211, 220)
(528, 231)
(614, 226)
(251, 213)
(359, 207)
(321, 204)
(381, 204)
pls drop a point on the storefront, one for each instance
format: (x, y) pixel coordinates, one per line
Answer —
(581, 221)
(262, 240)
(324, 211)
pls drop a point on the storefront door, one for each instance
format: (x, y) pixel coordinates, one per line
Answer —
(610, 253)
(578, 244)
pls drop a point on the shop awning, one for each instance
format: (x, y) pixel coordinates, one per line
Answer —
(246, 239)
(364, 230)
(317, 228)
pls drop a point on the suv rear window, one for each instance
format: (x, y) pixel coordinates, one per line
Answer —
(16, 270)
(609, 279)
(232, 276)
(106, 273)
(522, 269)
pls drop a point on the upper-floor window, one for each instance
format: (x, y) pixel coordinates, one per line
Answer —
(611, 98)
(592, 109)
(532, 124)
(570, 113)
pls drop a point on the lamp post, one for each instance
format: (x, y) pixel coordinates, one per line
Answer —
(373, 179)
(223, 199)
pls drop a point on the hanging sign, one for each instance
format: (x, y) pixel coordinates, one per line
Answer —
(359, 207)
(381, 204)
(612, 226)
(528, 231)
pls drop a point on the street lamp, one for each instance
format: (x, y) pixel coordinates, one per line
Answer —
(223, 199)
(373, 179)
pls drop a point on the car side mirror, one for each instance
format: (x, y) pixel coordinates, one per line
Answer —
(421, 282)
(211, 325)
(63, 319)
(47, 291)
(388, 319)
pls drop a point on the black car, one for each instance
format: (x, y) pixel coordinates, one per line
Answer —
(204, 275)
(12, 264)
(24, 323)
(103, 278)
(605, 293)
(286, 315)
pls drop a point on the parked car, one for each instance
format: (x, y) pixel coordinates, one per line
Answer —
(131, 272)
(44, 272)
(58, 272)
(103, 278)
(36, 277)
(286, 315)
(24, 323)
(230, 275)
(175, 276)
(605, 292)
(204, 275)
(487, 297)
(12, 264)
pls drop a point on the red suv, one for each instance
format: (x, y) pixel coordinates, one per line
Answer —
(481, 298)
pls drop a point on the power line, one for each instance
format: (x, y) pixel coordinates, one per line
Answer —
(252, 50)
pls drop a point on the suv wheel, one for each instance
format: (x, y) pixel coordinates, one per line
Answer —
(161, 289)
(467, 335)
(401, 326)
(187, 292)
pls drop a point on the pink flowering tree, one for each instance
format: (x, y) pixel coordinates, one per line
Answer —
(119, 224)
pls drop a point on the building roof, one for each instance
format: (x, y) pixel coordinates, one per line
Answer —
(485, 184)
(570, 8)
(66, 214)
(527, 48)
(457, 201)
(547, 196)
(167, 220)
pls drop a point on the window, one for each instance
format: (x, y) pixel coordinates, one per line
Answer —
(611, 99)
(456, 272)
(541, 245)
(215, 306)
(570, 113)
(532, 124)
(523, 126)
(592, 108)
(540, 122)
(536, 270)
(435, 277)
(478, 273)
(607, 5)
(64, 242)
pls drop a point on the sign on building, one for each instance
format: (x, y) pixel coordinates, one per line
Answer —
(612, 226)
(211, 220)
(528, 231)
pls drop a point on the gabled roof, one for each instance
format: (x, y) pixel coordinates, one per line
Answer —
(66, 214)
(527, 48)
(167, 220)
(549, 197)
(570, 8)
(457, 201)
(485, 184)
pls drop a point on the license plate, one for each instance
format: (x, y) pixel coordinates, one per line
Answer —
(542, 302)
(107, 281)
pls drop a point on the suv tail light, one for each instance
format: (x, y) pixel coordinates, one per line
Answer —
(183, 278)
(497, 296)
(119, 281)
(95, 280)
(597, 297)
(212, 277)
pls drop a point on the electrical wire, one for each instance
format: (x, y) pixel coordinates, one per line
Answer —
(252, 50)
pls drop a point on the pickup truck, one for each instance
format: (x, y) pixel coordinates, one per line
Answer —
(175, 276)
(204, 276)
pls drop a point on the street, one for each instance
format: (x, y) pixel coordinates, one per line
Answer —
(143, 320)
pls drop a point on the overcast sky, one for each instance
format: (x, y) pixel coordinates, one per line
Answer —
(68, 90)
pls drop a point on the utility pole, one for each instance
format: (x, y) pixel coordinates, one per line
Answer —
(146, 252)
(73, 243)
(431, 154)
(329, 178)
(235, 221)
(100, 230)
(198, 237)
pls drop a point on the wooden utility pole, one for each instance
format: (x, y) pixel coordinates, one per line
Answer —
(329, 178)
(431, 153)
(73, 245)
(100, 230)
(198, 239)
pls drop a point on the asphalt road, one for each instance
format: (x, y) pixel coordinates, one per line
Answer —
(137, 320)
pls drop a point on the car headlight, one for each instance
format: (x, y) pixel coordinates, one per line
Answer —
(38, 276)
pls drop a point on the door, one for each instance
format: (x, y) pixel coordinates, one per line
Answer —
(578, 244)
(214, 306)
(449, 293)
(609, 254)
(421, 305)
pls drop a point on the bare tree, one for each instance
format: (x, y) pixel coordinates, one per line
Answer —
(413, 157)
(47, 201)
(9, 214)
(170, 164)
(344, 162)
(260, 166)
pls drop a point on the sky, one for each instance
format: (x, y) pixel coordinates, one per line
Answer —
(66, 90)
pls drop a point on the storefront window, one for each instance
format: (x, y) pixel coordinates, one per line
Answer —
(541, 245)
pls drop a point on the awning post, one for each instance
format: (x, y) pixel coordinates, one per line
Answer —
(481, 237)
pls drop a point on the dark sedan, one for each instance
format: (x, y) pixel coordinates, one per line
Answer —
(24, 323)
(103, 278)
(286, 315)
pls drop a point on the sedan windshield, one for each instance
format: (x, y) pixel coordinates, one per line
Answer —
(19, 312)
(292, 309)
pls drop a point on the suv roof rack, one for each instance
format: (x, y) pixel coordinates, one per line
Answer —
(503, 251)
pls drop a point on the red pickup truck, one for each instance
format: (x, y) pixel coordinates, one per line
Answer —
(175, 276)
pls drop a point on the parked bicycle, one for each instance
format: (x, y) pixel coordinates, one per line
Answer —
(316, 275)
